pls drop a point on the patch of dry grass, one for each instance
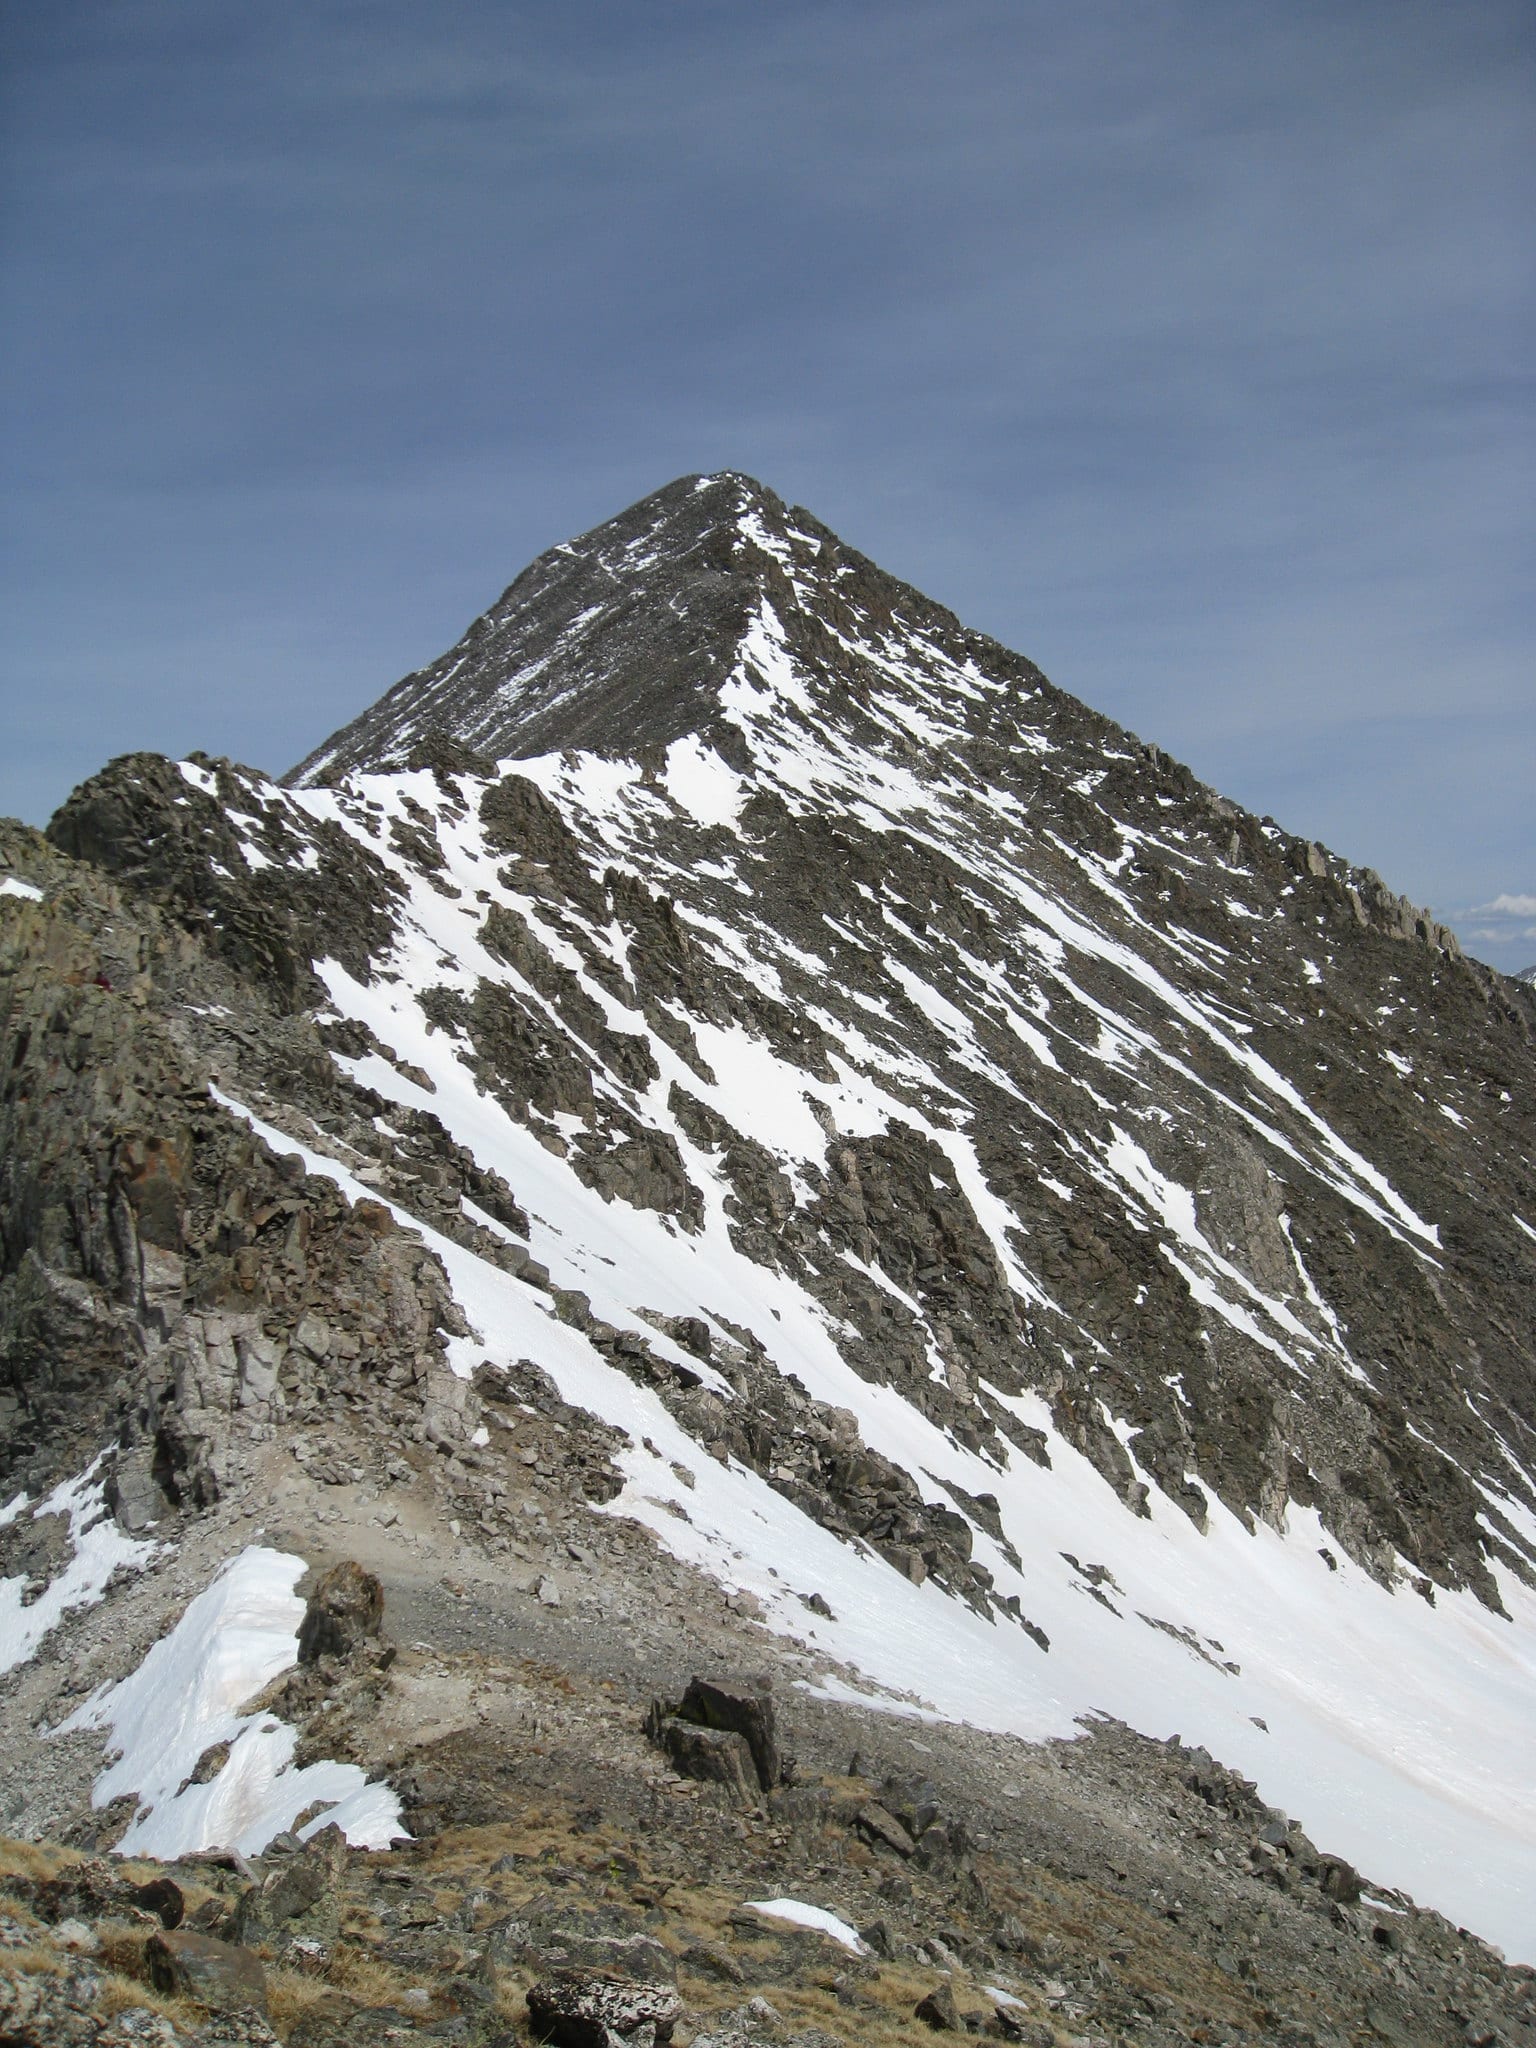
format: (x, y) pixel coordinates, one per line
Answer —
(368, 1978)
(122, 1947)
(37, 1959)
(470, 1852)
(120, 1993)
(34, 1859)
(293, 1994)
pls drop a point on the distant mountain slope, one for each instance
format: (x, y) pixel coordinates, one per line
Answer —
(1059, 1242)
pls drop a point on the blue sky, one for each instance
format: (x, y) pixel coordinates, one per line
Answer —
(1186, 347)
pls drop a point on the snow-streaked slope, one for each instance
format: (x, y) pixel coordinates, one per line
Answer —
(1187, 1268)
(1389, 1728)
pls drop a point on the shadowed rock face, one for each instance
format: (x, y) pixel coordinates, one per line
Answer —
(343, 1611)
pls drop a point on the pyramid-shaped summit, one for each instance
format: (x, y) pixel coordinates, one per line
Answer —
(627, 637)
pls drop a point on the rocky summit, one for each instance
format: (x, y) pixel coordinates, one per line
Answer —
(738, 1330)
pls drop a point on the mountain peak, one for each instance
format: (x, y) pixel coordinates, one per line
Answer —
(629, 635)
(618, 638)
(1062, 1245)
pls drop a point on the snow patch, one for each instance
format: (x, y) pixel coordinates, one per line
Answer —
(799, 1914)
(700, 783)
(239, 1634)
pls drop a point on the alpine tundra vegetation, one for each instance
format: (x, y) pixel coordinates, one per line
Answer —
(736, 1329)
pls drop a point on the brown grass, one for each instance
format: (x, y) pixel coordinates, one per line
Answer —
(38, 1959)
(122, 1948)
(291, 1994)
(34, 1859)
(368, 1978)
(470, 1852)
(120, 1993)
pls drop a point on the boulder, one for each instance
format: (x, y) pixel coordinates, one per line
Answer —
(162, 1897)
(553, 1934)
(45, 2011)
(714, 1756)
(35, 1549)
(709, 1959)
(299, 1898)
(344, 1610)
(745, 1708)
(939, 2011)
(631, 1958)
(1339, 1880)
(574, 2010)
(219, 1974)
(879, 1940)
(883, 1830)
(133, 1494)
(1011, 2024)
(95, 1889)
